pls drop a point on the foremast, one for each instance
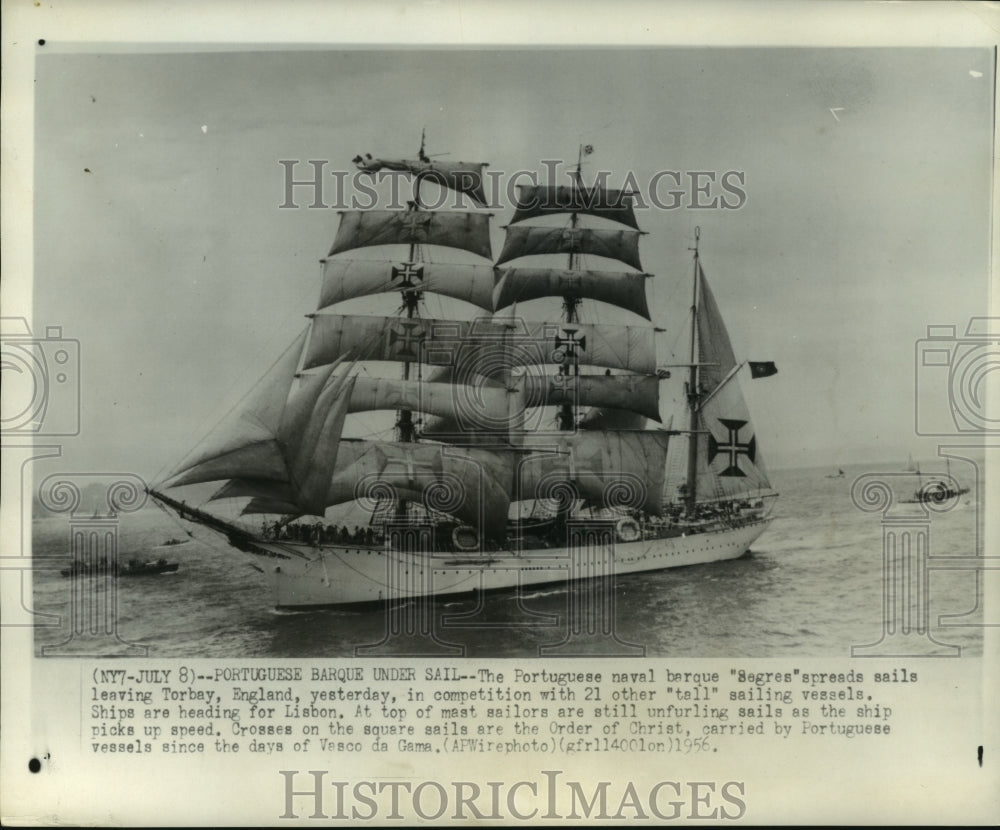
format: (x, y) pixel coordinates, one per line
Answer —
(693, 395)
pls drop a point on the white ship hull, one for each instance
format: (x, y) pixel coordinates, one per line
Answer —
(308, 575)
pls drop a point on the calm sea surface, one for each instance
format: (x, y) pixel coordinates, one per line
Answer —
(812, 586)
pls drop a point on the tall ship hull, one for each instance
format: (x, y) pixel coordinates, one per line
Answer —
(336, 575)
(524, 451)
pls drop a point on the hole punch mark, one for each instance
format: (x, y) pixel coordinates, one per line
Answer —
(34, 765)
(41, 41)
(979, 753)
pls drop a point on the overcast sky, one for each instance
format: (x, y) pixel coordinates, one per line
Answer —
(160, 245)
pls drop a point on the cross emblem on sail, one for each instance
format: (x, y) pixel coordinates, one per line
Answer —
(405, 339)
(415, 225)
(732, 447)
(560, 387)
(569, 282)
(345, 279)
(408, 463)
(571, 341)
(406, 273)
(378, 338)
(571, 238)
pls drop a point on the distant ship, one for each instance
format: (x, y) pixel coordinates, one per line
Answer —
(514, 462)
(936, 489)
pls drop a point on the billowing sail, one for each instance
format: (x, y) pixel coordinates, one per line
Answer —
(470, 484)
(619, 288)
(428, 397)
(729, 460)
(715, 351)
(244, 442)
(316, 452)
(344, 279)
(639, 394)
(481, 343)
(610, 469)
(301, 450)
(453, 229)
(539, 200)
(461, 176)
(529, 241)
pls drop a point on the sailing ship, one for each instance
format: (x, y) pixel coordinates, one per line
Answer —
(523, 451)
(937, 489)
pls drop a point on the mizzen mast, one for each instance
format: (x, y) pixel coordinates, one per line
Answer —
(691, 488)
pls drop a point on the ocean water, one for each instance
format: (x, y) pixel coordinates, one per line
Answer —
(812, 586)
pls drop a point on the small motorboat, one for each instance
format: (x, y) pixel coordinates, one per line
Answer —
(134, 567)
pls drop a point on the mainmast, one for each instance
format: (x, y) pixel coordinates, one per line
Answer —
(571, 365)
(411, 299)
(621, 402)
(692, 386)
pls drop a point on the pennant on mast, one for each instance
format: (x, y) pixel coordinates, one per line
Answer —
(762, 369)
(461, 176)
